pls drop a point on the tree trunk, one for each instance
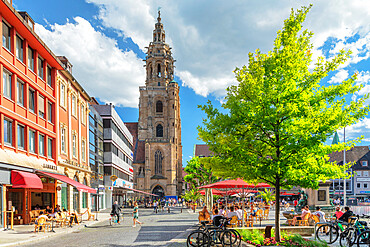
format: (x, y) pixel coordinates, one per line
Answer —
(277, 210)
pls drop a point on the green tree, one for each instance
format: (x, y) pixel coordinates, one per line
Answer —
(197, 173)
(276, 120)
(267, 196)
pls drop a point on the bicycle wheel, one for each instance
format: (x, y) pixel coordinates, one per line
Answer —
(228, 238)
(214, 237)
(363, 239)
(237, 236)
(348, 237)
(197, 239)
(327, 233)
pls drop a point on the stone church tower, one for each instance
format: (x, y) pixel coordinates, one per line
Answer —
(158, 148)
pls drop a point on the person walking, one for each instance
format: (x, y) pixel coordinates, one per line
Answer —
(135, 214)
(115, 211)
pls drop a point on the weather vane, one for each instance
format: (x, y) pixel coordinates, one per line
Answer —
(159, 11)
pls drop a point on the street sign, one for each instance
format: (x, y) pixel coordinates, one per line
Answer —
(113, 177)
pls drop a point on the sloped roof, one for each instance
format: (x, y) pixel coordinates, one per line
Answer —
(139, 146)
(355, 154)
(202, 150)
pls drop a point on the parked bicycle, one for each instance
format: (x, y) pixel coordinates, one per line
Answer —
(349, 236)
(329, 232)
(209, 235)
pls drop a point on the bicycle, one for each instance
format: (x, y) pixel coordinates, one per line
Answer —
(209, 235)
(363, 238)
(355, 228)
(329, 232)
(113, 220)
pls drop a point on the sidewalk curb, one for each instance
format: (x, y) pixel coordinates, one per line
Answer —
(31, 240)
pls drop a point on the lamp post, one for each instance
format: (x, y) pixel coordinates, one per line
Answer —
(344, 180)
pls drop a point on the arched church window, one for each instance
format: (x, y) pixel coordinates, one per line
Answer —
(151, 72)
(159, 70)
(159, 106)
(159, 130)
(158, 157)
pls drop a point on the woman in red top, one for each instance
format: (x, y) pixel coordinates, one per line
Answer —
(338, 213)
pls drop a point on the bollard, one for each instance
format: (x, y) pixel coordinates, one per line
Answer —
(181, 209)
(268, 230)
(168, 209)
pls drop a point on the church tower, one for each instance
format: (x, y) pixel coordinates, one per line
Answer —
(159, 125)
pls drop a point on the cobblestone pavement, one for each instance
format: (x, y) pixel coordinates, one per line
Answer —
(162, 229)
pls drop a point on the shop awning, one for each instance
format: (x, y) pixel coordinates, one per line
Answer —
(25, 180)
(139, 191)
(77, 185)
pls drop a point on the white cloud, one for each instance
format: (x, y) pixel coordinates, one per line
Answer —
(339, 77)
(99, 65)
(211, 38)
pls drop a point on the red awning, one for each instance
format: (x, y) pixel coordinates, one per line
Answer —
(25, 180)
(77, 185)
(139, 191)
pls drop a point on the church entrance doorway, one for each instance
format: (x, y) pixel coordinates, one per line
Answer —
(158, 190)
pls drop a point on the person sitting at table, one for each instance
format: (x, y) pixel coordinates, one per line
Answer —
(37, 207)
(320, 214)
(239, 212)
(305, 210)
(57, 209)
(42, 215)
(348, 213)
(216, 218)
(338, 213)
(222, 211)
(232, 213)
(48, 210)
(204, 215)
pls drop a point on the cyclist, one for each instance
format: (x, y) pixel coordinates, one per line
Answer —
(115, 210)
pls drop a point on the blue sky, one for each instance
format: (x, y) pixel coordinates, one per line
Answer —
(105, 40)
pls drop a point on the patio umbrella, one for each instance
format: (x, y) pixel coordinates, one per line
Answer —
(233, 184)
(214, 192)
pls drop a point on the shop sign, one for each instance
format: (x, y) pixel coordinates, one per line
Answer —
(363, 179)
(49, 166)
(110, 188)
(113, 177)
(365, 192)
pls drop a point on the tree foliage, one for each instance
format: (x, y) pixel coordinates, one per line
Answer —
(276, 120)
(267, 196)
(198, 174)
(192, 195)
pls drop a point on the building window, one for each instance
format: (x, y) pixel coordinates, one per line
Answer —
(159, 130)
(41, 145)
(83, 147)
(83, 117)
(159, 106)
(63, 139)
(358, 173)
(7, 84)
(158, 162)
(365, 185)
(20, 136)
(6, 36)
(20, 91)
(50, 112)
(31, 59)
(19, 48)
(62, 94)
(358, 185)
(31, 100)
(32, 141)
(41, 106)
(364, 163)
(74, 145)
(365, 173)
(40, 67)
(48, 71)
(8, 132)
(50, 148)
(74, 105)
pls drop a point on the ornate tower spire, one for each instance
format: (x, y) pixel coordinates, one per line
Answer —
(159, 60)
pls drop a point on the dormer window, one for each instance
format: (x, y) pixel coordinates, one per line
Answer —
(364, 163)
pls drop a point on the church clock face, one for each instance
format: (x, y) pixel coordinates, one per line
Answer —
(159, 110)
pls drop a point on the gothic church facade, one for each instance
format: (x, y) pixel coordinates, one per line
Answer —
(157, 135)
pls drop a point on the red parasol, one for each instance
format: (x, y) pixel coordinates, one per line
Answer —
(237, 191)
(214, 192)
(238, 183)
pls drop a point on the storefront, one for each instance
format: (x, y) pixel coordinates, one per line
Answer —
(4, 180)
(29, 192)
